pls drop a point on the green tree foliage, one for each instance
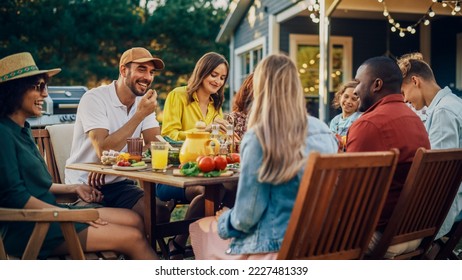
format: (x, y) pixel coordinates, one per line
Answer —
(180, 32)
(86, 37)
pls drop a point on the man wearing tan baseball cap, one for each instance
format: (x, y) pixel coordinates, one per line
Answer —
(140, 55)
(107, 116)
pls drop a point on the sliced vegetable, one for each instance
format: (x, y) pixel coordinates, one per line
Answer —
(139, 163)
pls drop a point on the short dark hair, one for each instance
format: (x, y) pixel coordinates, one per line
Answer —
(12, 93)
(387, 70)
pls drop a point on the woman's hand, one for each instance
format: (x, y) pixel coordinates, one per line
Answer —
(97, 223)
(223, 123)
(89, 194)
(221, 211)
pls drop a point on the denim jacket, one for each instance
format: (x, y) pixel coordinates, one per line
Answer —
(258, 221)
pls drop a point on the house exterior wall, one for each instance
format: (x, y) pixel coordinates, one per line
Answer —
(371, 37)
(255, 23)
(443, 42)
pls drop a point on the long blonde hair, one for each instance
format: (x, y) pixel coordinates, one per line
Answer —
(279, 118)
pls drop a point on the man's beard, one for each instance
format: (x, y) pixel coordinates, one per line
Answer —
(132, 85)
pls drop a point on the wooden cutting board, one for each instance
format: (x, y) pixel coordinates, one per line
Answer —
(176, 172)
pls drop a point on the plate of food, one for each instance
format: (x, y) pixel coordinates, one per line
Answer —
(129, 168)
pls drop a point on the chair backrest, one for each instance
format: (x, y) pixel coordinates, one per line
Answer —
(338, 205)
(42, 139)
(61, 139)
(430, 188)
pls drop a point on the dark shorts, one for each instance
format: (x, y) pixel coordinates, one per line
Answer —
(165, 193)
(123, 194)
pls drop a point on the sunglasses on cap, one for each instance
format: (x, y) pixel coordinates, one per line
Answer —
(41, 87)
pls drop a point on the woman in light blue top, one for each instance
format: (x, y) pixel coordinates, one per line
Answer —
(274, 150)
(444, 115)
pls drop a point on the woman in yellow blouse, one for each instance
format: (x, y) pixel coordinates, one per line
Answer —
(200, 100)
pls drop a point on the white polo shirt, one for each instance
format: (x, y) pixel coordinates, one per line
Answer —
(100, 108)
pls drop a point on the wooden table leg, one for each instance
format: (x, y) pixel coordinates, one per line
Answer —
(212, 198)
(149, 211)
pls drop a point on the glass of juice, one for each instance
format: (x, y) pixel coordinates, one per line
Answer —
(159, 156)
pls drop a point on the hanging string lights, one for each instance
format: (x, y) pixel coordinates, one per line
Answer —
(313, 8)
(425, 19)
(454, 5)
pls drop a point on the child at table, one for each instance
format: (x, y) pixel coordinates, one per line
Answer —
(270, 176)
(346, 99)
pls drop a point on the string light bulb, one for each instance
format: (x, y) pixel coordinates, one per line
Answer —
(457, 7)
(313, 8)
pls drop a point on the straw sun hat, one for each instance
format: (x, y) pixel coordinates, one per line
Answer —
(21, 65)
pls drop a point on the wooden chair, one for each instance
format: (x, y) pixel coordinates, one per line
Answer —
(338, 205)
(42, 219)
(42, 138)
(427, 195)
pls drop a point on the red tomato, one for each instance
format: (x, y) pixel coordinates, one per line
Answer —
(199, 158)
(220, 163)
(206, 164)
(229, 160)
(235, 157)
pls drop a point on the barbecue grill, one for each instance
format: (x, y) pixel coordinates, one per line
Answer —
(60, 106)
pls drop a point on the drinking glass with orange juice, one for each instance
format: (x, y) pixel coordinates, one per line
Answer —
(159, 156)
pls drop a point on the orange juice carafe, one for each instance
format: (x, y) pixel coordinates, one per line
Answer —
(198, 144)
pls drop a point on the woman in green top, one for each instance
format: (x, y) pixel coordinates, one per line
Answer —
(25, 182)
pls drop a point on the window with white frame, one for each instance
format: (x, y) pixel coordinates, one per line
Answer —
(304, 51)
(246, 58)
(249, 61)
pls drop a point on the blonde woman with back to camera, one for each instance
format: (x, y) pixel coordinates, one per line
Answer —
(270, 175)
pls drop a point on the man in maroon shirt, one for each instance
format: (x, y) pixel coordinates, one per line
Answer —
(387, 122)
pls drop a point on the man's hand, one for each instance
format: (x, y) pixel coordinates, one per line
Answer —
(148, 103)
(96, 180)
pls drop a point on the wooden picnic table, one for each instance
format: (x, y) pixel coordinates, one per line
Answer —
(148, 180)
